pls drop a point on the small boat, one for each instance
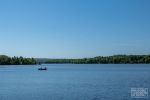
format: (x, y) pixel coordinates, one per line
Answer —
(42, 68)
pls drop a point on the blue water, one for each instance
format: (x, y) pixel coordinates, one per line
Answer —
(72, 82)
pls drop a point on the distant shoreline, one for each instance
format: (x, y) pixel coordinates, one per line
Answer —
(116, 59)
(6, 60)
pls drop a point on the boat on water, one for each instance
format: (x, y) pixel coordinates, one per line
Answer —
(42, 68)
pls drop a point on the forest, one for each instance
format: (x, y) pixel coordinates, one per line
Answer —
(116, 59)
(6, 60)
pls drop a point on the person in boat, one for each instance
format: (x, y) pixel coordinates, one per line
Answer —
(42, 68)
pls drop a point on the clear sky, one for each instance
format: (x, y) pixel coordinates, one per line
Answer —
(74, 28)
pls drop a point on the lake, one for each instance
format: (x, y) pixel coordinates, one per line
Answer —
(73, 81)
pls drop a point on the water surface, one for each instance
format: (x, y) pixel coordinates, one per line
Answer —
(72, 81)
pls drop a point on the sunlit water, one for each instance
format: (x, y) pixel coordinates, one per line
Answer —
(72, 82)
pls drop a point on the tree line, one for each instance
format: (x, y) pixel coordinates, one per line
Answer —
(116, 59)
(6, 60)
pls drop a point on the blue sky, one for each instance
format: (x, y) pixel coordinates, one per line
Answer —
(74, 28)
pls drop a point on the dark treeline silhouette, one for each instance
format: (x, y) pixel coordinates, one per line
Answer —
(5, 60)
(116, 59)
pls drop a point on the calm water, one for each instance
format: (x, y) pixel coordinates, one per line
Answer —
(72, 82)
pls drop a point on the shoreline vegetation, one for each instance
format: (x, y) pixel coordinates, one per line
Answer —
(6, 60)
(116, 59)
